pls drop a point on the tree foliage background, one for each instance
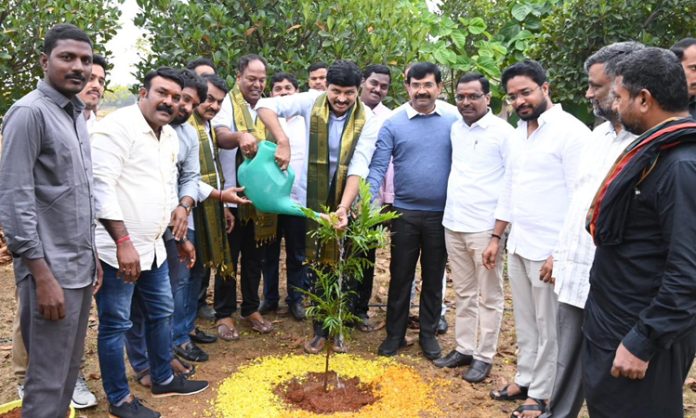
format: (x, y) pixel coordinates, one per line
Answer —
(23, 25)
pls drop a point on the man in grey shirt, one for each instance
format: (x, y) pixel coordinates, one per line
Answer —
(47, 210)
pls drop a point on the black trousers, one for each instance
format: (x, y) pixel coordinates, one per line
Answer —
(363, 288)
(659, 394)
(414, 234)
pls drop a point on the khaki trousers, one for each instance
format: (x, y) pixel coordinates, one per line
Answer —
(479, 294)
(19, 352)
(535, 307)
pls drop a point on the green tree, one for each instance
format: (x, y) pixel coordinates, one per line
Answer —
(23, 25)
(578, 28)
(329, 298)
(290, 34)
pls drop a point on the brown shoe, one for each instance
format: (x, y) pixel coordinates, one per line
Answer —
(227, 330)
(315, 345)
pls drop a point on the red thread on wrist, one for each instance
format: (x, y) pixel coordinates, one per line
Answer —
(123, 239)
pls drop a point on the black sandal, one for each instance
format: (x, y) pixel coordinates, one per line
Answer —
(539, 406)
(503, 395)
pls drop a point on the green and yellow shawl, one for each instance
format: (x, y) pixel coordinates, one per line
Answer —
(322, 190)
(209, 219)
(265, 224)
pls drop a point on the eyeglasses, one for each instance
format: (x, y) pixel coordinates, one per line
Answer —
(471, 97)
(427, 85)
(510, 98)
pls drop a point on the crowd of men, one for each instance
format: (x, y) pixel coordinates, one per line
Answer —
(140, 208)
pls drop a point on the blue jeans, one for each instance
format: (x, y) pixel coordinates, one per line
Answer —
(294, 229)
(186, 298)
(154, 296)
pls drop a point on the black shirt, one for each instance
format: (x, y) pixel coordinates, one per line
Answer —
(643, 291)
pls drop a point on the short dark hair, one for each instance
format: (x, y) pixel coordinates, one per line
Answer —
(680, 46)
(100, 61)
(200, 61)
(216, 81)
(420, 70)
(317, 66)
(344, 73)
(194, 81)
(280, 76)
(63, 31)
(245, 60)
(527, 68)
(376, 68)
(610, 55)
(658, 71)
(468, 77)
(164, 72)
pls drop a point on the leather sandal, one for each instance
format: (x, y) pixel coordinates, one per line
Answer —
(226, 329)
(538, 406)
(504, 395)
(180, 367)
(315, 345)
(259, 324)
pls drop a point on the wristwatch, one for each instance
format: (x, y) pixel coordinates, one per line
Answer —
(185, 206)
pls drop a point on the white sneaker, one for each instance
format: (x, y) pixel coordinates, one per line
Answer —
(20, 391)
(82, 397)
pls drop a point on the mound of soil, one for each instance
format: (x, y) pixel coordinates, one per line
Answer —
(343, 395)
(13, 413)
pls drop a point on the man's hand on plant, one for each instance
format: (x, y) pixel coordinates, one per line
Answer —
(342, 218)
(230, 195)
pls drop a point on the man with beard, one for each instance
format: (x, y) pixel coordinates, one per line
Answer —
(316, 76)
(47, 211)
(480, 149)
(419, 198)
(544, 164)
(135, 153)
(237, 125)
(290, 228)
(92, 94)
(685, 50)
(569, 265)
(340, 134)
(180, 251)
(640, 338)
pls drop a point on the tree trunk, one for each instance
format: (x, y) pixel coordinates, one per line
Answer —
(326, 367)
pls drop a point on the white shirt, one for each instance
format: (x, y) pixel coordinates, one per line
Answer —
(228, 162)
(301, 104)
(479, 158)
(294, 128)
(135, 181)
(573, 256)
(543, 169)
(91, 122)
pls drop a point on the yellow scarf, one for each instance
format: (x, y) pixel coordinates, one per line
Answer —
(322, 190)
(265, 224)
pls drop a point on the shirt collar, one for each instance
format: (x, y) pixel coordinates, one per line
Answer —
(58, 98)
(484, 122)
(141, 123)
(412, 113)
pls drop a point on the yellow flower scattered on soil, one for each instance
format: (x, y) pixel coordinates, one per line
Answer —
(248, 393)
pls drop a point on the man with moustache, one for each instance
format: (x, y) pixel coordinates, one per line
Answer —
(292, 228)
(480, 150)
(47, 212)
(92, 94)
(569, 265)
(237, 125)
(209, 225)
(685, 50)
(544, 165)
(639, 320)
(316, 76)
(135, 153)
(340, 133)
(419, 198)
(180, 251)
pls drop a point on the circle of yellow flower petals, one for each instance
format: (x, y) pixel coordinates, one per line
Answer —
(248, 393)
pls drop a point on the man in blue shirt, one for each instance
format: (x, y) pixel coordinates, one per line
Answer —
(416, 137)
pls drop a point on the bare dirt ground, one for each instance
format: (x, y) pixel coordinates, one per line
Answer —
(457, 399)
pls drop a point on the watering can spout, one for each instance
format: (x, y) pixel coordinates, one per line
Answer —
(266, 185)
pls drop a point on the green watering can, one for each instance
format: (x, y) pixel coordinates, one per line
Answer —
(266, 185)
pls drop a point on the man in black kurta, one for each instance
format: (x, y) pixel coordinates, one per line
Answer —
(640, 317)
